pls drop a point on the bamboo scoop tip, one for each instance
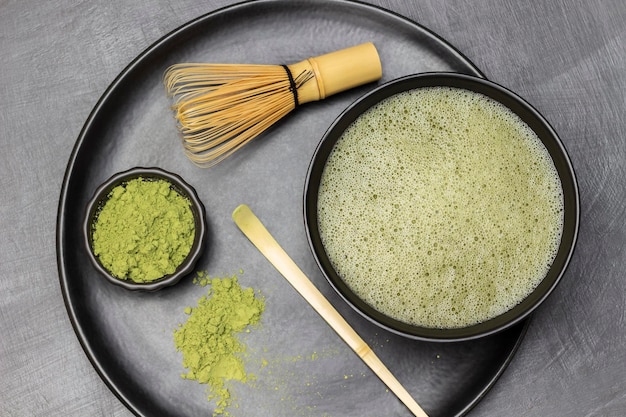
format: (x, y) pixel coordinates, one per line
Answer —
(239, 211)
(239, 208)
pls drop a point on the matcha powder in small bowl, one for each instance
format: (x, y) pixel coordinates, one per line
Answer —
(144, 231)
(208, 340)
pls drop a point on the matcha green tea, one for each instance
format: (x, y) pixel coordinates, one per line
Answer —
(440, 208)
(209, 338)
(144, 231)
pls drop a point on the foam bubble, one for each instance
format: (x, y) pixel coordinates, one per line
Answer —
(440, 208)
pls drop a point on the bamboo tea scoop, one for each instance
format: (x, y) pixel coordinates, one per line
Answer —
(260, 237)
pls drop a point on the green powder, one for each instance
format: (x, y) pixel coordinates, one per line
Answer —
(144, 231)
(212, 353)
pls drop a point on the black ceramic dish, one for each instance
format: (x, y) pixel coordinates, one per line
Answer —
(532, 118)
(181, 187)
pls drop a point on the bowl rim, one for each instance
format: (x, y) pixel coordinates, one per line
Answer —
(180, 186)
(530, 116)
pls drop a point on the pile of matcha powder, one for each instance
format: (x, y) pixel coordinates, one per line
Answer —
(212, 352)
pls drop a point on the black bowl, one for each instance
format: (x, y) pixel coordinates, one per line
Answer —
(180, 186)
(532, 118)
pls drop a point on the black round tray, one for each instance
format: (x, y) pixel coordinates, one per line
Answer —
(310, 371)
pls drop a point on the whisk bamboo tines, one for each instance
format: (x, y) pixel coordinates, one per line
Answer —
(221, 107)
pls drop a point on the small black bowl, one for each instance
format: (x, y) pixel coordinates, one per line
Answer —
(179, 185)
(532, 118)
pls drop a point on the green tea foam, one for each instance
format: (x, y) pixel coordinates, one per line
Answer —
(440, 208)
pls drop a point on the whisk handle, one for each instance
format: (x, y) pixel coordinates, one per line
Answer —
(339, 71)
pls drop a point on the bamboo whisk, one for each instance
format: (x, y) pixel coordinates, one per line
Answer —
(221, 107)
